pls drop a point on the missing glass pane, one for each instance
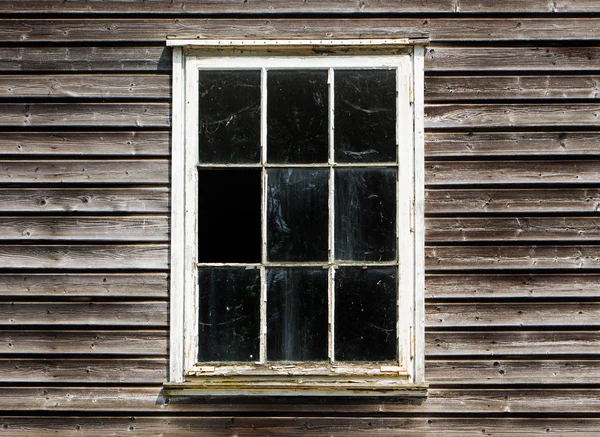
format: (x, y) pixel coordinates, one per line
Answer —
(229, 209)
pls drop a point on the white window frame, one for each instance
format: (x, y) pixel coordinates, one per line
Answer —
(406, 377)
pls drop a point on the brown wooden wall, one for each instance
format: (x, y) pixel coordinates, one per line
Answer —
(513, 193)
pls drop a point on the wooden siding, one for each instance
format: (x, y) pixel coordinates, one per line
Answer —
(512, 200)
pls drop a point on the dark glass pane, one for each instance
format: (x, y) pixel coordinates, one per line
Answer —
(297, 214)
(229, 315)
(365, 314)
(365, 214)
(229, 116)
(297, 116)
(297, 323)
(229, 215)
(365, 115)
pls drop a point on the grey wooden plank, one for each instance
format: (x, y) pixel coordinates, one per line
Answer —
(97, 200)
(503, 314)
(83, 371)
(473, 144)
(523, 200)
(132, 115)
(139, 171)
(139, 314)
(519, 343)
(500, 286)
(497, 58)
(439, 29)
(78, 285)
(511, 115)
(89, 143)
(497, 229)
(111, 86)
(511, 172)
(50, 59)
(494, 257)
(445, 88)
(101, 228)
(83, 342)
(80, 257)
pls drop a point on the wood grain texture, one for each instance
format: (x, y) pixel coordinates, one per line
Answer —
(141, 314)
(83, 342)
(101, 228)
(444, 88)
(142, 171)
(546, 343)
(89, 143)
(494, 257)
(523, 200)
(44, 426)
(497, 58)
(80, 257)
(511, 115)
(496, 287)
(98, 200)
(511, 229)
(511, 172)
(113, 86)
(132, 115)
(84, 285)
(474, 144)
(502, 314)
(439, 29)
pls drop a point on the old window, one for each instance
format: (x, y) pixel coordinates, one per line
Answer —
(297, 252)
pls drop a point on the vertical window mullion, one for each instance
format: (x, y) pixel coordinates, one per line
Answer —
(331, 223)
(263, 219)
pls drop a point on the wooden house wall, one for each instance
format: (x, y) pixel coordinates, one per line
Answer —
(512, 200)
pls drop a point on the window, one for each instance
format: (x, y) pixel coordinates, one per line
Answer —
(297, 229)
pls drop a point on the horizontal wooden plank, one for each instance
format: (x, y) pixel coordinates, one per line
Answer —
(510, 229)
(83, 342)
(103, 86)
(513, 343)
(140, 171)
(472, 144)
(85, 114)
(97, 200)
(37, 59)
(511, 115)
(502, 372)
(512, 257)
(573, 286)
(131, 228)
(147, 256)
(439, 29)
(542, 58)
(503, 314)
(536, 200)
(85, 143)
(511, 172)
(443, 88)
(83, 371)
(141, 314)
(44, 426)
(76, 286)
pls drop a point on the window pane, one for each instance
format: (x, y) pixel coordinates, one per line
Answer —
(297, 116)
(365, 115)
(229, 116)
(365, 214)
(229, 205)
(229, 315)
(297, 214)
(297, 323)
(365, 314)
